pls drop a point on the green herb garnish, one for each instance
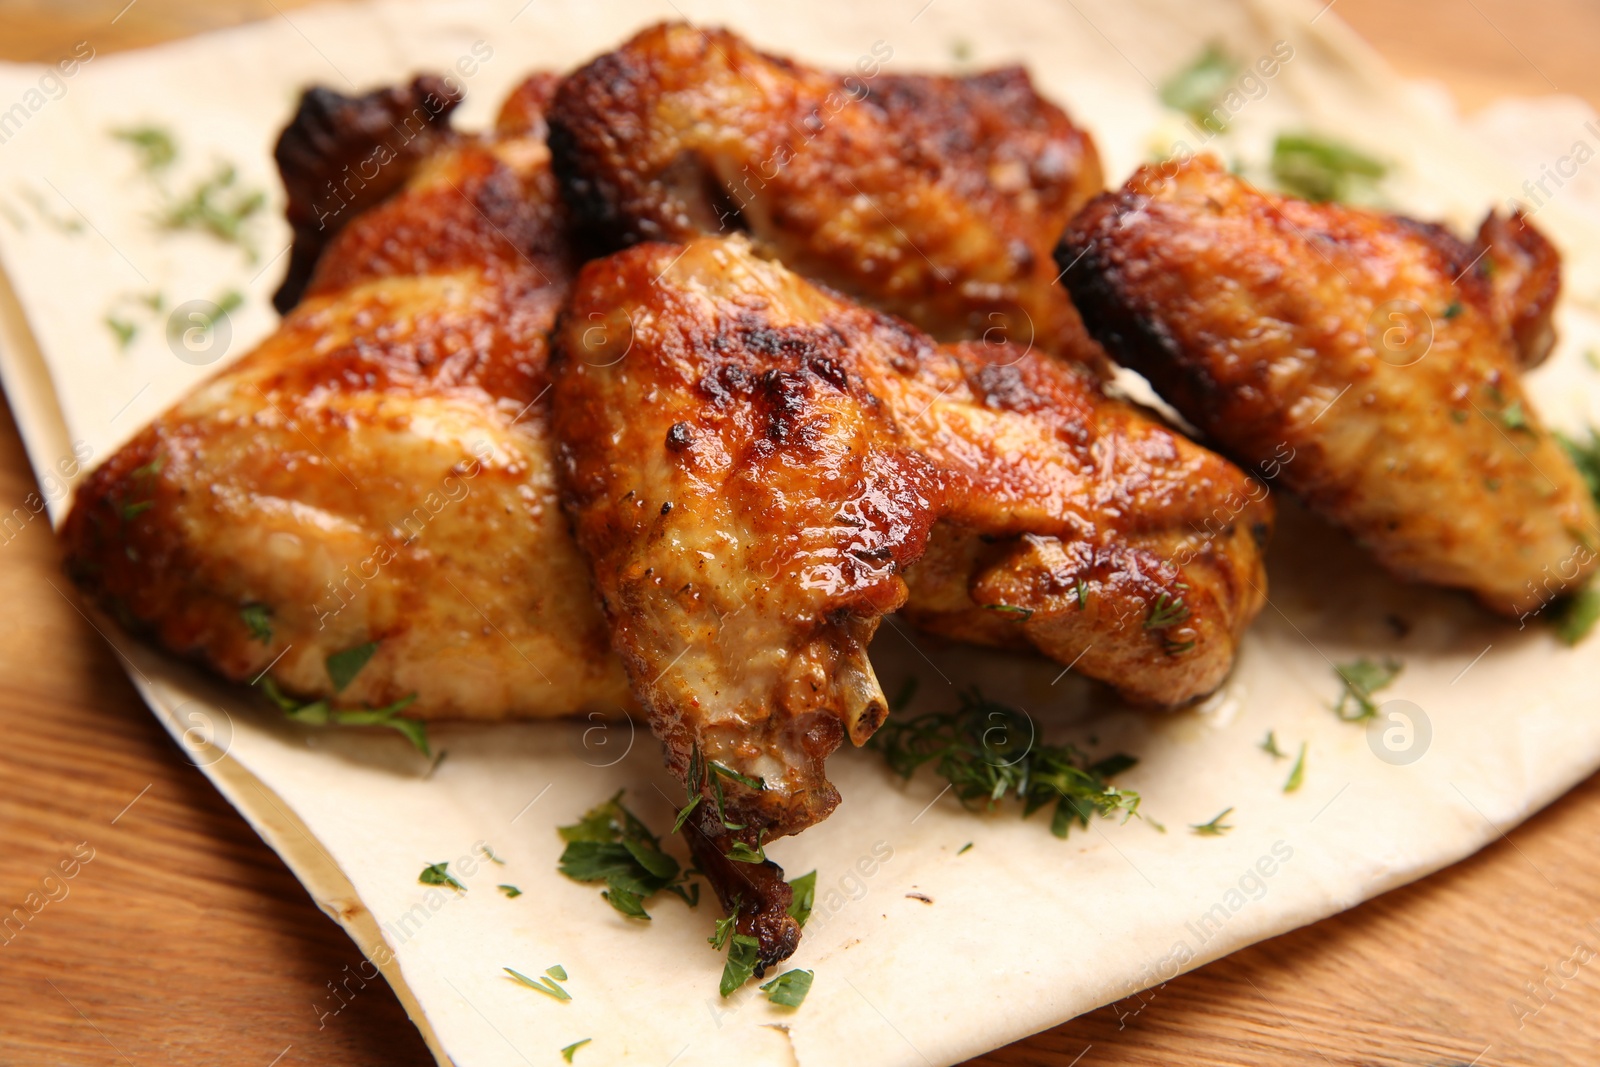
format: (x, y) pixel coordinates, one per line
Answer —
(155, 146)
(1576, 615)
(1082, 589)
(344, 666)
(964, 848)
(1514, 418)
(1022, 614)
(218, 206)
(1198, 89)
(567, 1052)
(1298, 774)
(740, 852)
(124, 331)
(742, 779)
(988, 750)
(1167, 611)
(542, 985)
(805, 897)
(1270, 747)
(723, 929)
(1585, 455)
(1320, 169)
(319, 713)
(1362, 679)
(789, 989)
(1215, 828)
(1453, 309)
(744, 952)
(610, 844)
(259, 620)
(133, 511)
(510, 890)
(439, 874)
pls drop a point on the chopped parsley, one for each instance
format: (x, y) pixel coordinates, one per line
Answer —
(558, 972)
(510, 890)
(1198, 89)
(1298, 774)
(567, 1052)
(744, 952)
(805, 897)
(1320, 169)
(1270, 747)
(259, 619)
(740, 852)
(1082, 589)
(133, 511)
(723, 929)
(439, 874)
(489, 853)
(344, 666)
(542, 985)
(1361, 680)
(987, 750)
(154, 145)
(611, 845)
(1576, 615)
(1216, 827)
(318, 713)
(789, 989)
(1022, 614)
(964, 848)
(1453, 309)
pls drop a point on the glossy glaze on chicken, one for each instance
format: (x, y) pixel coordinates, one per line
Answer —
(379, 469)
(936, 198)
(1383, 354)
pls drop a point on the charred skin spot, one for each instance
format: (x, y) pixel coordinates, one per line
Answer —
(1004, 387)
(826, 368)
(785, 395)
(679, 437)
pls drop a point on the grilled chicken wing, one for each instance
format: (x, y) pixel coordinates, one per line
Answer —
(1381, 354)
(379, 470)
(936, 198)
(752, 462)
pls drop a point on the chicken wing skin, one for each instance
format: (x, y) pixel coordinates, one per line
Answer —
(1382, 354)
(379, 469)
(751, 463)
(936, 198)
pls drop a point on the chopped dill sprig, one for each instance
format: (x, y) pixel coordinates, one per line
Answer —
(1216, 827)
(1361, 680)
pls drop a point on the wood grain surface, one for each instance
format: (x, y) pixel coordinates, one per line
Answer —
(183, 940)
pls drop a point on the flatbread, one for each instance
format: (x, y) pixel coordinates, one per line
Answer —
(1013, 935)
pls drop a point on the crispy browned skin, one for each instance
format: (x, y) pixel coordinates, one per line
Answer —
(1273, 325)
(936, 198)
(751, 463)
(341, 155)
(379, 469)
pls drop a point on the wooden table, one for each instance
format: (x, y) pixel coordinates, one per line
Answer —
(185, 941)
